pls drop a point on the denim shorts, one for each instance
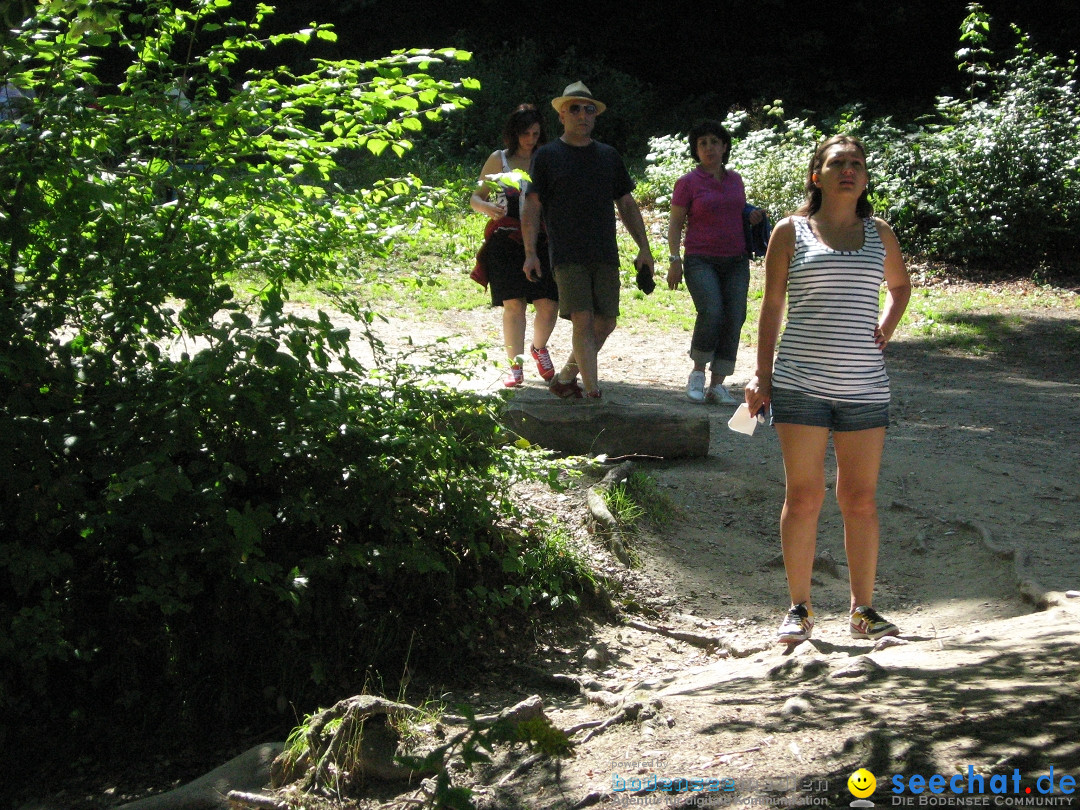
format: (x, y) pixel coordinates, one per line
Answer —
(792, 407)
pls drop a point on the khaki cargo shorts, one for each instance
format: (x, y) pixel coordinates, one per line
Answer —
(588, 288)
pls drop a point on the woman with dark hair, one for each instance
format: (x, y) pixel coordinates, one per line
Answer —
(503, 252)
(710, 202)
(827, 261)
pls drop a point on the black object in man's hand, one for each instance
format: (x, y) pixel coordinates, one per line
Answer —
(645, 281)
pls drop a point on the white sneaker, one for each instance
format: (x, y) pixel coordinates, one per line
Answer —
(695, 386)
(719, 394)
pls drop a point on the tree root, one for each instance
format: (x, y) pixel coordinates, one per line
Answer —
(605, 522)
(570, 732)
(520, 768)
(352, 738)
(629, 711)
(1030, 590)
(240, 800)
(625, 709)
(528, 709)
(711, 643)
(694, 639)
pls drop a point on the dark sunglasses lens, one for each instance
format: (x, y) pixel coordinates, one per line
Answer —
(590, 109)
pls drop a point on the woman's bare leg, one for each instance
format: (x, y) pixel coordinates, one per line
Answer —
(804, 472)
(858, 464)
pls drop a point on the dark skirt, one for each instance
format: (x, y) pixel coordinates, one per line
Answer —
(505, 258)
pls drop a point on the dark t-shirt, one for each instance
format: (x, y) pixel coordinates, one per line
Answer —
(577, 186)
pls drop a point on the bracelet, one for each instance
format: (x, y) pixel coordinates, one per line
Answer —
(675, 257)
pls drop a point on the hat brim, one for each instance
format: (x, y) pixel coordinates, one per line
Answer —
(558, 103)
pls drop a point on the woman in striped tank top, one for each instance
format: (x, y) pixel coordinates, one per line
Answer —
(827, 262)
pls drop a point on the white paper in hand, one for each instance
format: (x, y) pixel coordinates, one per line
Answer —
(742, 422)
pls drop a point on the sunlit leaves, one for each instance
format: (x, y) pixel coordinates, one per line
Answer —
(180, 427)
(994, 177)
(991, 178)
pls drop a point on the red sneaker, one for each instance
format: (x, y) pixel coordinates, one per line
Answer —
(543, 362)
(565, 390)
(516, 376)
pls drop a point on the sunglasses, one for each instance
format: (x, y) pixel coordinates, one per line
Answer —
(574, 109)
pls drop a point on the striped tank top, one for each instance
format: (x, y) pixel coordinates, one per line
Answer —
(828, 349)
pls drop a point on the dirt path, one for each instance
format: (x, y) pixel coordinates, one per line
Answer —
(981, 450)
(980, 525)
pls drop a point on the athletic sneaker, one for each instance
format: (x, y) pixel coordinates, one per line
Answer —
(695, 386)
(797, 625)
(868, 623)
(720, 395)
(516, 376)
(543, 362)
(565, 390)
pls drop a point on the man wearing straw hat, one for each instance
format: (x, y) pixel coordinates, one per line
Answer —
(574, 181)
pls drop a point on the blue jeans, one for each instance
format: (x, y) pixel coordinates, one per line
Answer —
(719, 286)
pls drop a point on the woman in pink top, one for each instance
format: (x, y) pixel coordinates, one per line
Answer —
(709, 203)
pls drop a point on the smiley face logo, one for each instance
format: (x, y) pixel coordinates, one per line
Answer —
(861, 783)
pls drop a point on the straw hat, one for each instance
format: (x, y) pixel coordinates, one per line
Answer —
(577, 92)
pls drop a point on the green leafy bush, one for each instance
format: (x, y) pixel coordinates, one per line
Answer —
(209, 507)
(990, 180)
(773, 161)
(994, 178)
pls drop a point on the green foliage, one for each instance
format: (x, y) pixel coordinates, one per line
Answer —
(622, 507)
(644, 489)
(209, 506)
(991, 179)
(973, 53)
(322, 755)
(509, 76)
(773, 161)
(668, 159)
(638, 499)
(994, 178)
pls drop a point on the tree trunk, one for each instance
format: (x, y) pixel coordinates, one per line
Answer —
(582, 427)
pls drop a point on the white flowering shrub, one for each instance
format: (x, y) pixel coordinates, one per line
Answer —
(995, 179)
(772, 161)
(992, 180)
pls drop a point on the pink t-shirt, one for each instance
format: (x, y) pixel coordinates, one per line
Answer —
(714, 225)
